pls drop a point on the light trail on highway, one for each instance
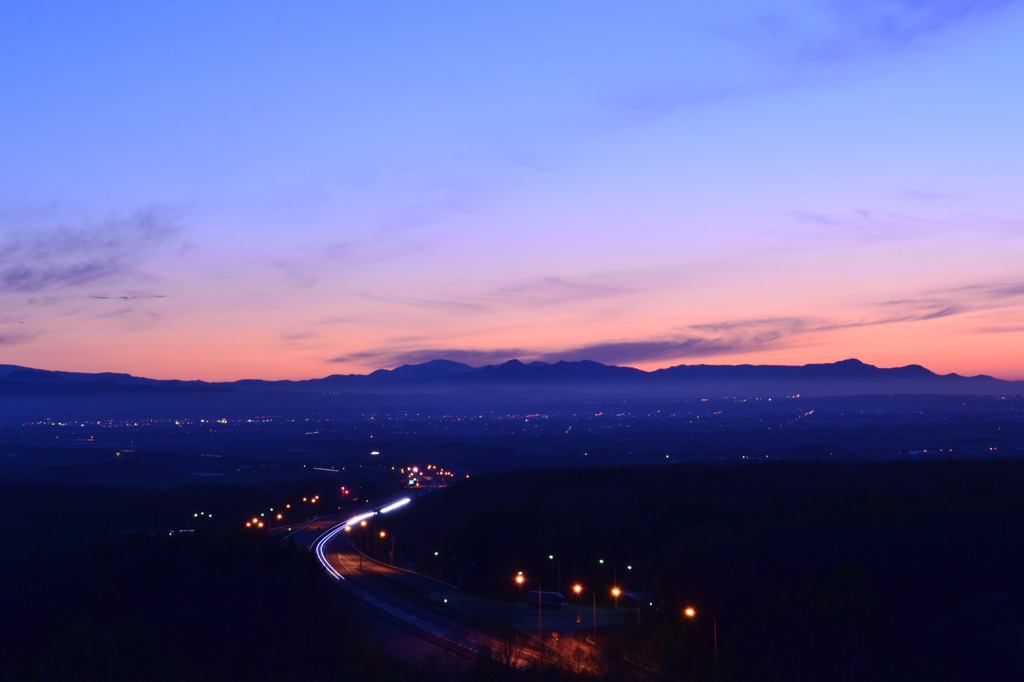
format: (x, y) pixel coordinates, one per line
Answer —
(319, 547)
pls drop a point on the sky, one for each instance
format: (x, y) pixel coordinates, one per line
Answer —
(280, 190)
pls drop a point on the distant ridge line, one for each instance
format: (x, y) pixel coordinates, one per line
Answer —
(845, 377)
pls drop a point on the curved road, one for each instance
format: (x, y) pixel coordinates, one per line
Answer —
(443, 634)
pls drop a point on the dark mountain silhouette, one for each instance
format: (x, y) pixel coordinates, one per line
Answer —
(26, 391)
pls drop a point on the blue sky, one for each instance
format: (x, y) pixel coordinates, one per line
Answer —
(262, 189)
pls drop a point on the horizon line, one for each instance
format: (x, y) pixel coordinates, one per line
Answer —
(511, 360)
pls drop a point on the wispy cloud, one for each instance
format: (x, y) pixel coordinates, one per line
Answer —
(127, 297)
(394, 358)
(444, 304)
(888, 312)
(792, 324)
(534, 293)
(970, 298)
(135, 314)
(627, 352)
(832, 31)
(914, 310)
(992, 291)
(864, 224)
(64, 257)
(916, 218)
(804, 43)
(15, 338)
(553, 291)
(1000, 330)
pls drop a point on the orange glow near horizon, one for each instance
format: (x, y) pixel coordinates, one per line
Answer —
(943, 345)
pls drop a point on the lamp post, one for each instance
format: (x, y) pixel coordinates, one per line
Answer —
(615, 593)
(615, 571)
(552, 557)
(691, 612)
(520, 579)
(578, 589)
(362, 539)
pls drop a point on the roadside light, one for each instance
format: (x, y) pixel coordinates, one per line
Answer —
(383, 533)
(692, 613)
(280, 516)
(363, 523)
(520, 579)
(577, 588)
(616, 592)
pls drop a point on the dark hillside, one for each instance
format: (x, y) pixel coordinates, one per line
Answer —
(96, 589)
(887, 571)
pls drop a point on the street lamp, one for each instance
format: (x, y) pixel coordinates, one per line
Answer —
(578, 589)
(362, 542)
(615, 593)
(391, 554)
(615, 571)
(691, 612)
(551, 557)
(520, 579)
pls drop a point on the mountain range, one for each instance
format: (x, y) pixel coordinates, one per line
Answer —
(26, 391)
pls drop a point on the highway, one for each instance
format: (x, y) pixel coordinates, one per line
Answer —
(439, 615)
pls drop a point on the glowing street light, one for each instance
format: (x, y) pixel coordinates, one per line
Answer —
(558, 560)
(692, 613)
(615, 593)
(578, 589)
(615, 570)
(520, 579)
